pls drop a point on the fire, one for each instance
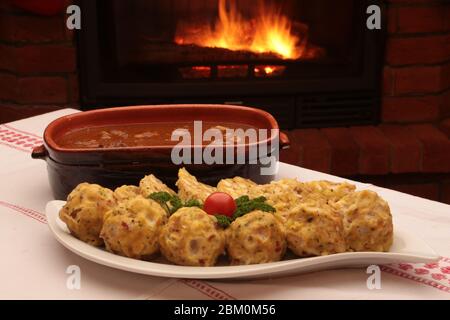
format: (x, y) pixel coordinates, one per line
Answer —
(268, 70)
(269, 31)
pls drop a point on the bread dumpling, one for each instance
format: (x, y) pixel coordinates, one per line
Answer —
(132, 228)
(257, 237)
(191, 237)
(314, 229)
(331, 191)
(367, 221)
(84, 211)
(236, 187)
(284, 195)
(189, 188)
(124, 193)
(151, 184)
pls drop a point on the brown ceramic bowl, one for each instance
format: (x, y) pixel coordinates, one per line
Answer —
(113, 167)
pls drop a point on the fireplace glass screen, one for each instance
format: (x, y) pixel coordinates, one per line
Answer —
(310, 63)
(228, 40)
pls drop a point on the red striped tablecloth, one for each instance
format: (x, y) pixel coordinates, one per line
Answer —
(34, 265)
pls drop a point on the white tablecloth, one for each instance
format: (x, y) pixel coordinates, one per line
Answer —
(33, 264)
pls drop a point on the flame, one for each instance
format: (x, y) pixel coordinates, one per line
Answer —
(269, 70)
(269, 32)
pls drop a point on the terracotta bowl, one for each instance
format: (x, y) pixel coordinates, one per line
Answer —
(113, 167)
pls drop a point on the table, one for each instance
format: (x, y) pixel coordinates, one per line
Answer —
(34, 264)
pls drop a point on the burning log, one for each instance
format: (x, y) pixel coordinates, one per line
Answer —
(268, 30)
(171, 53)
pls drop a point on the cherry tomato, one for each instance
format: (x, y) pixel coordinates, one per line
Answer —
(220, 203)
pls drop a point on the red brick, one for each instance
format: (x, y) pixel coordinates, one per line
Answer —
(406, 151)
(7, 58)
(13, 112)
(448, 20)
(417, 50)
(422, 19)
(411, 109)
(25, 7)
(445, 127)
(344, 151)
(315, 149)
(8, 87)
(417, 80)
(435, 146)
(293, 154)
(374, 150)
(445, 193)
(69, 2)
(7, 7)
(392, 20)
(426, 190)
(388, 81)
(42, 90)
(31, 28)
(445, 76)
(74, 89)
(445, 104)
(45, 58)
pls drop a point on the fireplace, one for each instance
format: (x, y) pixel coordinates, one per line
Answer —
(310, 63)
(408, 151)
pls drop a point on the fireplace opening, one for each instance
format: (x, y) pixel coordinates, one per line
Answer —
(310, 63)
(223, 39)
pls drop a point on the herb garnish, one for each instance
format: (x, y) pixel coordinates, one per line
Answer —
(223, 221)
(245, 205)
(171, 203)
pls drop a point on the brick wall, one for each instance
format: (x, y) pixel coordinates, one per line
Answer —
(383, 155)
(38, 74)
(416, 86)
(37, 63)
(413, 139)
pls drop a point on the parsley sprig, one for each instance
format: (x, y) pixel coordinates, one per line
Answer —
(171, 203)
(223, 221)
(244, 205)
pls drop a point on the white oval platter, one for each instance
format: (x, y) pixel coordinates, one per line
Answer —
(406, 248)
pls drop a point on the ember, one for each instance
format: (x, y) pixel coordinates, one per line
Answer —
(269, 71)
